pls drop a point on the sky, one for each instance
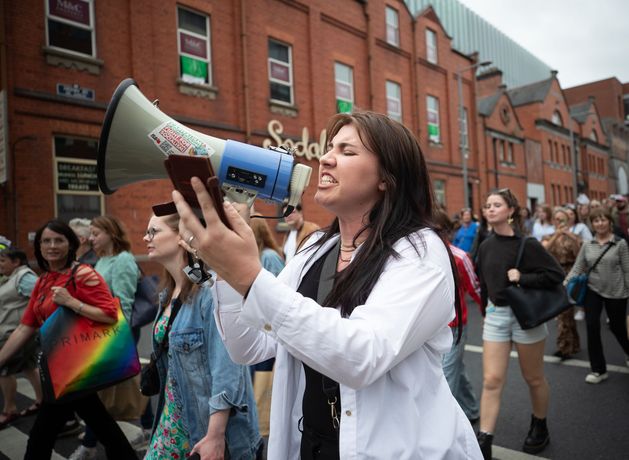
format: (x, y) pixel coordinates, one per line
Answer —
(585, 40)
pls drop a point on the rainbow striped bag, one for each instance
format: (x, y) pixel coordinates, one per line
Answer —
(80, 356)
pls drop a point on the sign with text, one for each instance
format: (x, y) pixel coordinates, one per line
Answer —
(76, 177)
(302, 148)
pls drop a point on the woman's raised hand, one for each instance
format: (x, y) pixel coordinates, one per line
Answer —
(233, 254)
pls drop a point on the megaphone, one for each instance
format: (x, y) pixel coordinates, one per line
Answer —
(136, 138)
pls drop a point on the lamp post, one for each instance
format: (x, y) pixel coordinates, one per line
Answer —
(575, 156)
(462, 147)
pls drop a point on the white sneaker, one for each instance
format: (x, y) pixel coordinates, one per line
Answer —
(595, 377)
(141, 441)
(579, 314)
(83, 453)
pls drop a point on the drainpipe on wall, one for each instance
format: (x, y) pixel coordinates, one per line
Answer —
(414, 83)
(369, 53)
(245, 71)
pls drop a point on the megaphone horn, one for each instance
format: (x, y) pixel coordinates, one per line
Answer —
(137, 137)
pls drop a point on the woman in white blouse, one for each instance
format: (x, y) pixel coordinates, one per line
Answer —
(358, 370)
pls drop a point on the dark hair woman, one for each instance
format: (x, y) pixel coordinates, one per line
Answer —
(87, 295)
(385, 279)
(608, 286)
(496, 267)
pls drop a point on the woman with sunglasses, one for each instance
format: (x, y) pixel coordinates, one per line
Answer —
(206, 402)
(80, 288)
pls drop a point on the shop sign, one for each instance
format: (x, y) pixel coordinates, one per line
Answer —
(302, 148)
(73, 10)
(76, 177)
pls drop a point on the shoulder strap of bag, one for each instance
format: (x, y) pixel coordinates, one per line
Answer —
(71, 279)
(609, 246)
(326, 279)
(326, 283)
(163, 345)
(520, 252)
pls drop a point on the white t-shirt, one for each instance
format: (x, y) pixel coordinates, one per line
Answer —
(290, 246)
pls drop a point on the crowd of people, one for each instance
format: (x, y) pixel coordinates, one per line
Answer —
(326, 326)
(561, 243)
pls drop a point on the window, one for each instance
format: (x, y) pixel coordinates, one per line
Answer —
(76, 182)
(556, 119)
(501, 150)
(551, 153)
(70, 26)
(394, 100)
(563, 154)
(431, 46)
(463, 130)
(439, 189)
(344, 83)
(393, 26)
(594, 136)
(193, 36)
(432, 105)
(280, 72)
(509, 158)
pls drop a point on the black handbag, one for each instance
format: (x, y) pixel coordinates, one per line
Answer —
(535, 306)
(145, 303)
(149, 377)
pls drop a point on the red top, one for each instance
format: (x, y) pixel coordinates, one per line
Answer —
(468, 282)
(88, 286)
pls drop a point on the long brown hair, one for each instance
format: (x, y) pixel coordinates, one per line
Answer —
(188, 288)
(264, 237)
(116, 231)
(405, 206)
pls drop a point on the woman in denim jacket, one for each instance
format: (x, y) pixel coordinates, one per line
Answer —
(206, 402)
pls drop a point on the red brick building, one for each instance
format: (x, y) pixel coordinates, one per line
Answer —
(262, 72)
(612, 101)
(529, 132)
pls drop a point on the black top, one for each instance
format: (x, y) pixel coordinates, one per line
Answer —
(315, 406)
(498, 254)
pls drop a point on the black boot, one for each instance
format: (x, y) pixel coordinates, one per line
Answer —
(484, 441)
(538, 436)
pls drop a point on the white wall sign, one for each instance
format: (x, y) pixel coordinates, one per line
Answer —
(303, 148)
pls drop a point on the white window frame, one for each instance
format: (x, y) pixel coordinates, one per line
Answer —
(431, 46)
(78, 25)
(338, 66)
(288, 64)
(429, 110)
(392, 20)
(207, 39)
(439, 192)
(392, 87)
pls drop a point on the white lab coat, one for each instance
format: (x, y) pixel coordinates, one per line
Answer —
(396, 403)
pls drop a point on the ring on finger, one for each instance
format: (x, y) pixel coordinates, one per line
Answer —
(190, 239)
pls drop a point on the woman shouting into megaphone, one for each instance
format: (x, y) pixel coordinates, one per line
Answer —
(358, 319)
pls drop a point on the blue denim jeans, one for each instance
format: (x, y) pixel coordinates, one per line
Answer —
(454, 370)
